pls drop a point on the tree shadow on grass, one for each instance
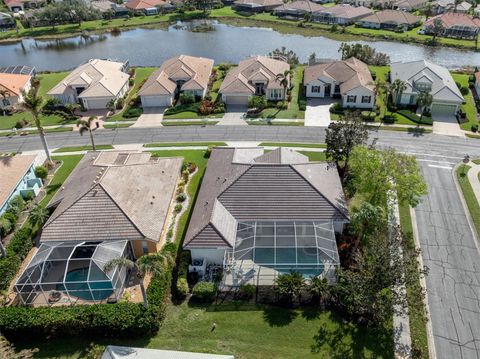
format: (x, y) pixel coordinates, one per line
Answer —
(416, 131)
(278, 316)
(310, 313)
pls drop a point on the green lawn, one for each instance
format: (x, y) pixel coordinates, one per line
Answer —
(248, 332)
(49, 80)
(35, 132)
(274, 123)
(314, 155)
(469, 195)
(83, 148)
(114, 126)
(469, 108)
(189, 123)
(416, 308)
(184, 144)
(293, 144)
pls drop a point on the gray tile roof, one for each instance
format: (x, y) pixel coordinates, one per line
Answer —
(270, 188)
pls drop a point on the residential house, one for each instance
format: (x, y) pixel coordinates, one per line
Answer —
(7, 21)
(113, 204)
(115, 352)
(461, 26)
(254, 76)
(297, 10)
(350, 79)
(17, 177)
(107, 7)
(21, 5)
(341, 14)
(13, 84)
(258, 215)
(391, 20)
(424, 76)
(409, 5)
(443, 6)
(93, 84)
(146, 7)
(187, 74)
(477, 82)
(256, 5)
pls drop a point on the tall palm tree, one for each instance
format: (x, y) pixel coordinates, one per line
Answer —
(397, 88)
(284, 80)
(86, 125)
(319, 289)
(148, 264)
(424, 100)
(5, 94)
(32, 102)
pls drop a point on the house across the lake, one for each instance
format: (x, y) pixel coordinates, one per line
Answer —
(391, 20)
(259, 215)
(341, 14)
(456, 25)
(297, 10)
(256, 5)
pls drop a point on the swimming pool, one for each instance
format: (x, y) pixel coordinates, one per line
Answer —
(77, 285)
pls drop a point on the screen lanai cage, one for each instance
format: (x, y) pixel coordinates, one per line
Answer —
(264, 250)
(72, 272)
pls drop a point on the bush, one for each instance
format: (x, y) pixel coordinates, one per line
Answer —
(474, 128)
(5, 226)
(181, 197)
(186, 98)
(368, 115)
(204, 291)
(208, 152)
(159, 288)
(219, 107)
(337, 108)
(120, 103)
(178, 208)
(206, 107)
(11, 217)
(302, 105)
(182, 287)
(41, 172)
(464, 91)
(247, 291)
(389, 119)
(427, 120)
(16, 205)
(21, 124)
(281, 105)
(183, 263)
(259, 102)
(374, 75)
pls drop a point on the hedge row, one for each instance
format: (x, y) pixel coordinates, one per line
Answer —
(159, 288)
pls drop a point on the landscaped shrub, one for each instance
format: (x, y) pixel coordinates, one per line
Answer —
(183, 263)
(132, 112)
(120, 103)
(181, 197)
(11, 217)
(219, 107)
(182, 288)
(302, 105)
(41, 172)
(178, 208)
(368, 115)
(475, 128)
(464, 90)
(204, 291)
(5, 226)
(16, 205)
(206, 107)
(208, 152)
(21, 124)
(281, 105)
(247, 291)
(259, 102)
(159, 288)
(389, 119)
(337, 108)
(186, 98)
(427, 120)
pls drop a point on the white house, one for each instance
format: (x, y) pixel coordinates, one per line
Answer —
(424, 76)
(183, 73)
(93, 84)
(350, 79)
(254, 76)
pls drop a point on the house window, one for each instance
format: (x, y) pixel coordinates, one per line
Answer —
(6, 102)
(276, 93)
(423, 86)
(315, 89)
(144, 247)
(366, 99)
(79, 90)
(337, 89)
(351, 99)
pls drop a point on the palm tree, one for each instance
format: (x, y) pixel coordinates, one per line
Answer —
(436, 29)
(424, 100)
(320, 289)
(86, 125)
(32, 102)
(5, 227)
(397, 88)
(5, 94)
(38, 215)
(148, 264)
(289, 286)
(284, 80)
(385, 89)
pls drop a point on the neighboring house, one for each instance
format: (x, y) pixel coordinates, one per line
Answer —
(256, 5)
(13, 84)
(442, 6)
(381, 4)
(147, 7)
(6, 21)
(297, 9)
(477, 82)
(424, 76)
(106, 6)
(182, 73)
(17, 177)
(112, 205)
(391, 20)
(93, 84)
(350, 79)
(342, 14)
(259, 214)
(21, 5)
(115, 352)
(254, 76)
(410, 5)
(455, 25)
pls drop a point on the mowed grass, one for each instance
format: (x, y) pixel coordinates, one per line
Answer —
(248, 332)
(469, 195)
(184, 144)
(469, 107)
(83, 148)
(293, 144)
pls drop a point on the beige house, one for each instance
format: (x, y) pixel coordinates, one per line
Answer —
(256, 5)
(296, 10)
(390, 20)
(254, 76)
(341, 14)
(13, 85)
(93, 84)
(349, 79)
(183, 73)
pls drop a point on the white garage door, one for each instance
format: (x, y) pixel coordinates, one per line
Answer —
(443, 109)
(156, 101)
(237, 100)
(97, 104)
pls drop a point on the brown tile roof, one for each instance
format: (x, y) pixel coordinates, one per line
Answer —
(272, 187)
(238, 79)
(143, 4)
(450, 19)
(392, 17)
(114, 195)
(162, 82)
(349, 74)
(301, 5)
(14, 83)
(12, 170)
(346, 11)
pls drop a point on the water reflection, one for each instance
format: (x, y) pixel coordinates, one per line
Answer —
(76, 43)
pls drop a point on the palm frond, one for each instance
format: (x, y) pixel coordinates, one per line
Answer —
(121, 262)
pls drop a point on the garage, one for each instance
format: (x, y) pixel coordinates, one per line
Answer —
(156, 101)
(236, 100)
(95, 104)
(444, 109)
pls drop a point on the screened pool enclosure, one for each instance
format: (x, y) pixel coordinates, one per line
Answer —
(265, 249)
(67, 272)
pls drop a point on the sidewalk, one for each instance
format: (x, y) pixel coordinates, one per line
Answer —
(474, 179)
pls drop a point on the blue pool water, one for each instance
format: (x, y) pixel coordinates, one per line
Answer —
(76, 284)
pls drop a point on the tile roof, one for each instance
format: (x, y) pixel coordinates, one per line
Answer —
(102, 78)
(450, 19)
(12, 170)
(349, 74)
(301, 5)
(14, 83)
(396, 17)
(464, 5)
(346, 11)
(196, 70)
(143, 4)
(238, 79)
(278, 186)
(259, 3)
(412, 4)
(114, 195)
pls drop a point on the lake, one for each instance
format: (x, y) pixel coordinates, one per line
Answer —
(150, 47)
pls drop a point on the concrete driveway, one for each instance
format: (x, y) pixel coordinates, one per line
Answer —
(318, 112)
(151, 117)
(446, 125)
(235, 116)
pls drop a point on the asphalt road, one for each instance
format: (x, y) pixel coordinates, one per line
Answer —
(449, 247)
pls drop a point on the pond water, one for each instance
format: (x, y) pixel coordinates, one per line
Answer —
(150, 47)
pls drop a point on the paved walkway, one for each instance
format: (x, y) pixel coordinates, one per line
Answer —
(474, 180)
(317, 112)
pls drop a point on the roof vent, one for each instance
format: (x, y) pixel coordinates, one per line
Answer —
(95, 193)
(151, 202)
(153, 197)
